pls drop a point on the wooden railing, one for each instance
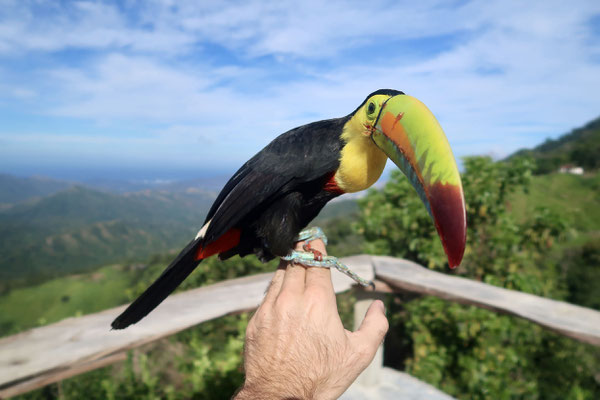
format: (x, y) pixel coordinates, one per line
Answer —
(70, 347)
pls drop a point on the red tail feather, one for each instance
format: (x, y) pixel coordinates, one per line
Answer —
(227, 241)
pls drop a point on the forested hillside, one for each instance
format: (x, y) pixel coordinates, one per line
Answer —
(581, 148)
(78, 229)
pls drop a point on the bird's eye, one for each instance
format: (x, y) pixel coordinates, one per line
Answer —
(371, 109)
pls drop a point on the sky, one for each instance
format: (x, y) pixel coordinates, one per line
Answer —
(172, 88)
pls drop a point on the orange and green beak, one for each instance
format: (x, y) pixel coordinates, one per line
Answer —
(412, 138)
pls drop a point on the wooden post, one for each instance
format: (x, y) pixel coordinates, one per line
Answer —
(372, 375)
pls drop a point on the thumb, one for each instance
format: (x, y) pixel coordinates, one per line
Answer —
(372, 330)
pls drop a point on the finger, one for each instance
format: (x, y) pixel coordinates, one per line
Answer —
(293, 280)
(372, 330)
(319, 277)
(275, 285)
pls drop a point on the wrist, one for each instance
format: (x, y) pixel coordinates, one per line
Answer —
(263, 392)
(246, 394)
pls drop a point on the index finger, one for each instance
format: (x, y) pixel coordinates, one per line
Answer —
(275, 285)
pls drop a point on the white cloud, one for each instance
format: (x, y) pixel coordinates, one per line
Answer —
(50, 26)
(521, 71)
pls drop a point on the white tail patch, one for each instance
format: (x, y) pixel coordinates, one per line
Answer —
(202, 230)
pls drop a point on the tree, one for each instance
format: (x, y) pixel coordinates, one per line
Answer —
(466, 351)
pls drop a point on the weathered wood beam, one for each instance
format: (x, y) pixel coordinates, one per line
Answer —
(567, 319)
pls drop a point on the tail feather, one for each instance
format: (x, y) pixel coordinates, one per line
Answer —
(167, 282)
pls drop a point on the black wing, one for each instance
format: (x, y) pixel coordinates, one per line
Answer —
(295, 157)
(300, 155)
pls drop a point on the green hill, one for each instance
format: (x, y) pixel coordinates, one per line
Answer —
(69, 296)
(14, 189)
(581, 147)
(78, 229)
(575, 198)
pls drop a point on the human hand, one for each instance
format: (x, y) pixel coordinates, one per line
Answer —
(296, 345)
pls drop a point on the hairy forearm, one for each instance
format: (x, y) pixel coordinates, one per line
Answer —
(276, 380)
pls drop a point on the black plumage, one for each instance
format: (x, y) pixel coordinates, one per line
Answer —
(269, 199)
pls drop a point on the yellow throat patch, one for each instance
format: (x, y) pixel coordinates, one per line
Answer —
(361, 161)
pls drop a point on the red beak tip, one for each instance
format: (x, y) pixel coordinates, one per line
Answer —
(454, 262)
(448, 210)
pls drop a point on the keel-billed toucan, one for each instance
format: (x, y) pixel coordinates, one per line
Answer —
(281, 189)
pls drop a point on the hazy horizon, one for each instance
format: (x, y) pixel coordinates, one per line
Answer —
(118, 174)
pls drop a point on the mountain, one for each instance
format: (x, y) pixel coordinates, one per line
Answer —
(78, 229)
(211, 183)
(580, 147)
(14, 189)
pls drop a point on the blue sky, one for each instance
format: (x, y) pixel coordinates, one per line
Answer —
(188, 87)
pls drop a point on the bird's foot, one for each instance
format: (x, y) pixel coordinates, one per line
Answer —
(310, 259)
(310, 234)
(314, 258)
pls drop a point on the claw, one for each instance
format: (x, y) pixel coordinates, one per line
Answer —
(316, 253)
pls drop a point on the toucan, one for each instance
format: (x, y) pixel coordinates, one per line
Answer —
(278, 192)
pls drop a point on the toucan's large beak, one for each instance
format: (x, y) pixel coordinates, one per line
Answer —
(412, 138)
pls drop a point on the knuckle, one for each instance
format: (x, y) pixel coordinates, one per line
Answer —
(317, 293)
(261, 313)
(285, 300)
(383, 328)
(364, 354)
(378, 326)
(250, 330)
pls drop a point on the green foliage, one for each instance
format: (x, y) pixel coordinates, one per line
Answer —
(582, 273)
(469, 352)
